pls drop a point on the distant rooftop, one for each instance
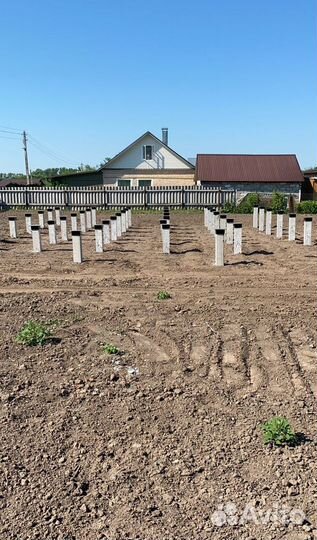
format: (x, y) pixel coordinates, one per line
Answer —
(19, 182)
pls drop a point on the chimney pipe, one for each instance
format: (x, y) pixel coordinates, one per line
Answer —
(165, 136)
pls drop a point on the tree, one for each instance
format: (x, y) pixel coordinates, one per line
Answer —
(103, 163)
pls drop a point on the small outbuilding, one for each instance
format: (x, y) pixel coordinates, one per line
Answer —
(261, 174)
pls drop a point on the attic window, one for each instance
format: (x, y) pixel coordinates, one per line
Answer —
(147, 151)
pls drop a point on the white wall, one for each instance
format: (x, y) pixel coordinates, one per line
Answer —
(162, 157)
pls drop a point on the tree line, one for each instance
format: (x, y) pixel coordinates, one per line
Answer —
(46, 174)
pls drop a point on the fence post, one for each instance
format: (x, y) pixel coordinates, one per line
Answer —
(51, 232)
(183, 197)
(73, 220)
(28, 223)
(26, 193)
(13, 227)
(106, 231)
(57, 215)
(216, 223)
(237, 238)
(166, 238)
(219, 199)
(261, 219)
(255, 217)
(292, 227)
(98, 238)
(63, 222)
(219, 241)
(77, 247)
(82, 215)
(279, 224)
(113, 228)
(41, 218)
(36, 238)
(229, 237)
(66, 198)
(268, 222)
(307, 231)
(145, 199)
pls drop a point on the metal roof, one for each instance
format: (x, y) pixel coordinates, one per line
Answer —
(248, 168)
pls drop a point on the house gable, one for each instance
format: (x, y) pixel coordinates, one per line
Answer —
(163, 157)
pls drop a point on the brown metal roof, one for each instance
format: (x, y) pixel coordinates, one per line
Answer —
(247, 168)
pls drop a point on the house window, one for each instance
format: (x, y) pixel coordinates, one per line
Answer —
(145, 183)
(147, 151)
(124, 183)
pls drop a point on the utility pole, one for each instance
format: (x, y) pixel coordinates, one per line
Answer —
(26, 159)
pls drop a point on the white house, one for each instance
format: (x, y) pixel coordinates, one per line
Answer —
(148, 161)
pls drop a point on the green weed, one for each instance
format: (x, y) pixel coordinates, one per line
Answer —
(108, 348)
(163, 295)
(34, 333)
(278, 431)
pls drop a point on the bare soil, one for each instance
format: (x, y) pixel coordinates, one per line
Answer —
(148, 444)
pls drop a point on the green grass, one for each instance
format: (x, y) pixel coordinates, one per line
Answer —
(163, 295)
(34, 333)
(279, 432)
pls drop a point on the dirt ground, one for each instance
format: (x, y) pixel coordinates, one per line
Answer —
(161, 441)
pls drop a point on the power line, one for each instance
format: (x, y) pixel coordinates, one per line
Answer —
(50, 153)
(52, 157)
(11, 138)
(11, 132)
(11, 128)
(37, 144)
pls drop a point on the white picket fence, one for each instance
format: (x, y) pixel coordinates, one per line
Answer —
(103, 197)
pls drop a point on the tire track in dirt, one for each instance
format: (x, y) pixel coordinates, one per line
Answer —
(233, 356)
(303, 358)
(204, 358)
(279, 378)
(156, 359)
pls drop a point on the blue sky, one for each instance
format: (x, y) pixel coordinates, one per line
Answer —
(87, 77)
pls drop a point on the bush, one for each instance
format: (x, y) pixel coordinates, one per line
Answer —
(307, 207)
(278, 431)
(229, 208)
(279, 202)
(33, 333)
(251, 200)
(245, 207)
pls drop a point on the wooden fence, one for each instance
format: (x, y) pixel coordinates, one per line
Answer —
(104, 197)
